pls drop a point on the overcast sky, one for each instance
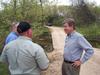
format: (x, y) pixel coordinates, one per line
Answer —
(64, 2)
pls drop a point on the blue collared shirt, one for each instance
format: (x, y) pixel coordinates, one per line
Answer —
(75, 44)
(12, 36)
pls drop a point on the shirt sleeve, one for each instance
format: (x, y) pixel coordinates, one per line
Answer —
(3, 57)
(41, 58)
(85, 45)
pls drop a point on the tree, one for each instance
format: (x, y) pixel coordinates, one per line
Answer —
(82, 13)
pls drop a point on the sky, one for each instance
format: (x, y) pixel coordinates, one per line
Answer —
(64, 2)
(67, 2)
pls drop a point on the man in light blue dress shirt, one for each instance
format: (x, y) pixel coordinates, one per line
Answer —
(75, 44)
(22, 55)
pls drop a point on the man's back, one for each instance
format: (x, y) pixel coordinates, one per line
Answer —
(25, 57)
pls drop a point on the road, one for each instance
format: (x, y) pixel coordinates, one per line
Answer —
(91, 67)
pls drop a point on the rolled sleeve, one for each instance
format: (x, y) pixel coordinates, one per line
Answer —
(85, 45)
(42, 59)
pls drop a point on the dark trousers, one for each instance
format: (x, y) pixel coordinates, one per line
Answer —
(68, 69)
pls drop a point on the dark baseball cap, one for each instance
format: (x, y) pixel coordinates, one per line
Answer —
(23, 26)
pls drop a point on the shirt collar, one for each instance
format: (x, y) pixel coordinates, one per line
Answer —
(24, 37)
(15, 33)
(71, 34)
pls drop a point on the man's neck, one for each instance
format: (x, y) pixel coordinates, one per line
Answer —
(71, 33)
(25, 36)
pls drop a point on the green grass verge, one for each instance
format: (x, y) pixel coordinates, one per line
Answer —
(3, 69)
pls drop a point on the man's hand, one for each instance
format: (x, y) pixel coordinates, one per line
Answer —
(76, 64)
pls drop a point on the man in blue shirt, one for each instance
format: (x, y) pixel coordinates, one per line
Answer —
(13, 35)
(75, 44)
(22, 56)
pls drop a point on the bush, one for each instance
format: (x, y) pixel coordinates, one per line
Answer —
(58, 21)
(42, 36)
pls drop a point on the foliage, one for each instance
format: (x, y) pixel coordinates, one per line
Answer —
(3, 69)
(42, 36)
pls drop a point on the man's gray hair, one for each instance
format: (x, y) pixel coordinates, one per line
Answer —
(69, 20)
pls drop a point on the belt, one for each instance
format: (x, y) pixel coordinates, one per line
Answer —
(70, 62)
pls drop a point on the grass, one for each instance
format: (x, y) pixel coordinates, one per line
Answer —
(3, 69)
